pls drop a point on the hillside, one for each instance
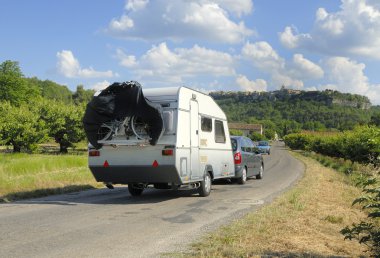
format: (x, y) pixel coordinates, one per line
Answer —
(287, 110)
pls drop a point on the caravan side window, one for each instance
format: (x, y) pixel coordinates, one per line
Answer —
(220, 136)
(206, 124)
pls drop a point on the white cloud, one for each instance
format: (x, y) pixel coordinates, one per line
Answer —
(304, 68)
(347, 75)
(238, 7)
(247, 85)
(282, 72)
(354, 30)
(100, 85)
(173, 66)
(182, 19)
(136, 5)
(122, 24)
(263, 56)
(69, 66)
(125, 60)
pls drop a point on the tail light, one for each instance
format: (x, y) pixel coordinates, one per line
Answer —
(167, 152)
(237, 158)
(93, 153)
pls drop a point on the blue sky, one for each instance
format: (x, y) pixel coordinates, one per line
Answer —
(252, 45)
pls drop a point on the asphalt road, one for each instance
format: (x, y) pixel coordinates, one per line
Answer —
(111, 223)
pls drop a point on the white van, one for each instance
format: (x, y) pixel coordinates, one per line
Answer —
(192, 149)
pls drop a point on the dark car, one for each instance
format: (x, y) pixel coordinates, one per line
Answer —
(264, 147)
(248, 160)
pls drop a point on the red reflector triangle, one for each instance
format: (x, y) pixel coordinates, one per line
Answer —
(106, 165)
(155, 164)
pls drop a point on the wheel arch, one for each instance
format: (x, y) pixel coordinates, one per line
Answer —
(208, 169)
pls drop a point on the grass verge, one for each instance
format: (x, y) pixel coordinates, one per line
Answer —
(34, 175)
(305, 221)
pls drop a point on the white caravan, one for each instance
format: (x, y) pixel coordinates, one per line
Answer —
(193, 148)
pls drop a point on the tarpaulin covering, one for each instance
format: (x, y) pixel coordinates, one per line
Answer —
(118, 101)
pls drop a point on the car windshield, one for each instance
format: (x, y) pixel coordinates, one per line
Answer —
(234, 144)
(262, 143)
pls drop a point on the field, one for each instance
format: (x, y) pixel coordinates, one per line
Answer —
(32, 175)
(306, 221)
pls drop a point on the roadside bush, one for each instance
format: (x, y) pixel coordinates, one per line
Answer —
(298, 141)
(360, 145)
(368, 231)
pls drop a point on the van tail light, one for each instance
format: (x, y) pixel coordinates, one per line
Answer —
(237, 158)
(167, 152)
(93, 153)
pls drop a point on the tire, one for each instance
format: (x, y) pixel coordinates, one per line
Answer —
(104, 132)
(260, 175)
(205, 188)
(241, 180)
(135, 190)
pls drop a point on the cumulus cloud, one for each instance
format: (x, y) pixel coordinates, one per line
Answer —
(168, 65)
(247, 85)
(354, 30)
(136, 5)
(100, 85)
(69, 67)
(304, 68)
(238, 7)
(347, 75)
(182, 19)
(282, 72)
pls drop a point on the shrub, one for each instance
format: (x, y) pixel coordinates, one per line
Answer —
(368, 231)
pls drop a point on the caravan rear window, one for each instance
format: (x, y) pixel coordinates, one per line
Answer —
(220, 136)
(206, 124)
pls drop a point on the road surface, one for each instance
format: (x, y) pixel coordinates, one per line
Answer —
(111, 223)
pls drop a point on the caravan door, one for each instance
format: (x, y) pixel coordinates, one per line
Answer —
(194, 140)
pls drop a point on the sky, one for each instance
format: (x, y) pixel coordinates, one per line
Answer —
(209, 45)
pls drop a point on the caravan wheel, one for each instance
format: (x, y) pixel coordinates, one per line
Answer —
(135, 189)
(205, 188)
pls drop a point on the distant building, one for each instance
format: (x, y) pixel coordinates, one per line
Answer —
(247, 129)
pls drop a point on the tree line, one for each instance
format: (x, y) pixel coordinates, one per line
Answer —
(286, 112)
(34, 111)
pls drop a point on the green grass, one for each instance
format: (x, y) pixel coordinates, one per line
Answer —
(32, 175)
(303, 222)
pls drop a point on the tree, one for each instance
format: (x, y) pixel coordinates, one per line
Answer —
(64, 123)
(51, 90)
(82, 96)
(13, 86)
(20, 127)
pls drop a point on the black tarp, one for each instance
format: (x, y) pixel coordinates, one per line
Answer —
(118, 101)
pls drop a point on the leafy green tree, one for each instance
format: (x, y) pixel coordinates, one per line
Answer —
(64, 123)
(21, 127)
(82, 96)
(13, 86)
(269, 133)
(256, 137)
(375, 119)
(51, 90)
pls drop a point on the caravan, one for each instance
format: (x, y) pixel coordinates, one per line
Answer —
(175, 137)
